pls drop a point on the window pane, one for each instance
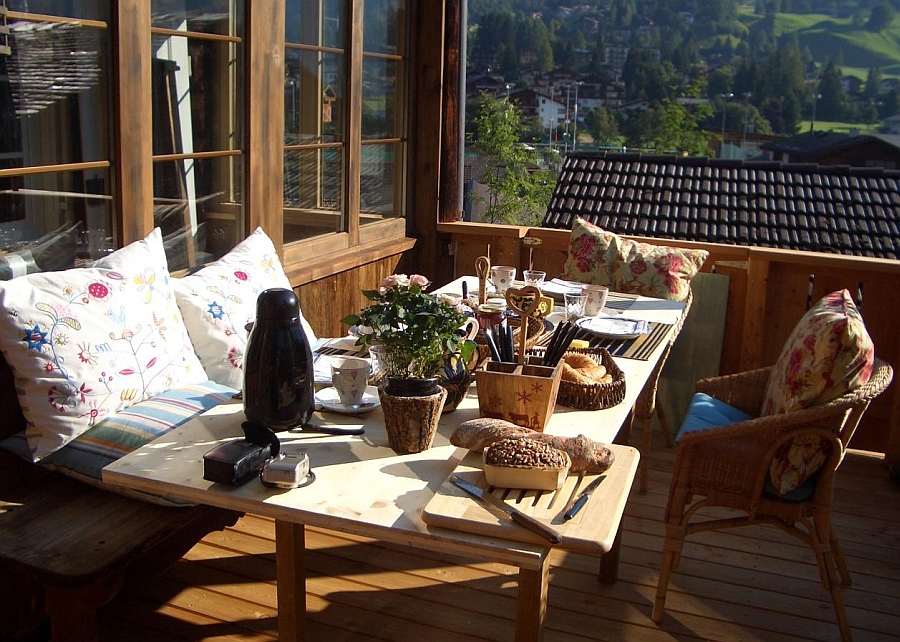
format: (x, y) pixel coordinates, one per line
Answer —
(382, 93)
(197, 205)
(86, 9)
(381, 183)
(319, 23)
(313, 97)
(202, 16)
(385, 24)
(195, 102)
(313, 193)
(43, 218)
(54, 98)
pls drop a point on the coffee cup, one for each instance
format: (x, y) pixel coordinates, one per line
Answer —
(349, 376)
(502, 277)
(596, 299)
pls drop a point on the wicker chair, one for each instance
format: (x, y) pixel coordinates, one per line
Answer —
(645, 407)
(728, 466)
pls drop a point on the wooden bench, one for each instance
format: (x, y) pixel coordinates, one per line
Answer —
(67, 548)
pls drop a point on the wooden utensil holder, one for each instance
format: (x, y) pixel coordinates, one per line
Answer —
(524, 394)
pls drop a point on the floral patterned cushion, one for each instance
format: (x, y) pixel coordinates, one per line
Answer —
(828, 354)
(86, 343)
(604, 258)
(219, 301)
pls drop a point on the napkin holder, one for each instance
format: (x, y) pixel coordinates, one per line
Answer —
(237, 462)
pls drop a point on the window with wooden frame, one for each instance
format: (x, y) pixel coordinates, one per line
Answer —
(346, 119)
(197, 93)
(56, 207)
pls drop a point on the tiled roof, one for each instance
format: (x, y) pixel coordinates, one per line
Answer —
(819, 208)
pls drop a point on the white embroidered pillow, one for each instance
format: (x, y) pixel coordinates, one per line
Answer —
(86, 343)
(219, 300)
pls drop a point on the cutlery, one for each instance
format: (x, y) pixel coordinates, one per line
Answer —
(518, 516)
(583, 498)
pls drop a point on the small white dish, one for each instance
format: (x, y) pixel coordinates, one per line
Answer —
(614, 327)
(329, 400)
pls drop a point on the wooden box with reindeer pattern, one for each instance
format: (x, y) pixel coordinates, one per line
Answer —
(521, 393)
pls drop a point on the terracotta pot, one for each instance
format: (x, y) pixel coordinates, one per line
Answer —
(411, 422)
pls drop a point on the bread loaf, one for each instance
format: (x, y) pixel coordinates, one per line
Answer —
(586, 455)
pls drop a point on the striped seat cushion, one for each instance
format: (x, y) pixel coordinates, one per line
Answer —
(117, 435)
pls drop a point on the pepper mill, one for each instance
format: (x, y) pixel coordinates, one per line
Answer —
(278, 366)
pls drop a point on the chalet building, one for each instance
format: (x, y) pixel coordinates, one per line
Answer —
(833, 148)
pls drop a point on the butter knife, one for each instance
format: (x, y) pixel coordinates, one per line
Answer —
(518, 516)
(583, 498)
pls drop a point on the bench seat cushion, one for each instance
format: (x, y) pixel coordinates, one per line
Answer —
(115, 436)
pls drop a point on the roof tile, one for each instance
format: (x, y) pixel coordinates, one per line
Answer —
(798, 206)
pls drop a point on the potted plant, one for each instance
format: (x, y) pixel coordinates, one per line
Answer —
(420, 333)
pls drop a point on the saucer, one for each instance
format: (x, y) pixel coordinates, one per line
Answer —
(329, 400)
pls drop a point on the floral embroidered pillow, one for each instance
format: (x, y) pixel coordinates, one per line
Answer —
(602, 257)
(828, 354)
(86, 343)
(219, 301)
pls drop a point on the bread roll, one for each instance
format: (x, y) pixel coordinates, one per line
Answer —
(586, 455)
(581, 368)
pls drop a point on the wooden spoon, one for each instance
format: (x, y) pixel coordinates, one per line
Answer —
(515, 301)
(482, 269)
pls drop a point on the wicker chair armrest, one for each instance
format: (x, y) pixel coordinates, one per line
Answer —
(744, 390)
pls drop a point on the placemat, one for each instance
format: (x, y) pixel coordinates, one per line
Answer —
(640, 348)
(620, 301)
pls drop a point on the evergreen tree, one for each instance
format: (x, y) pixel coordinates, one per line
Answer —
(833, 103)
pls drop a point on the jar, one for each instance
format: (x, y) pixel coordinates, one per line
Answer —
(490, 314)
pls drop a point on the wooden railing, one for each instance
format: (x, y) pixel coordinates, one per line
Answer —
(769, 291)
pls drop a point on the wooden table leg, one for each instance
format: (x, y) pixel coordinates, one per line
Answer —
(609, 562)
(623, 437)
(290, 564)
(531, 605)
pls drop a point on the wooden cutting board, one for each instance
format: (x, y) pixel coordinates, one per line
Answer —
(591, 531)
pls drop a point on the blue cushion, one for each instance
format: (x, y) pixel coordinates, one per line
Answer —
(707, 412)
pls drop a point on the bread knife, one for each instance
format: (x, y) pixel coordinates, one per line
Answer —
(518, 516)
(583, 498)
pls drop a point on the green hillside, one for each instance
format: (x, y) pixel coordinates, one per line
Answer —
(858, 48)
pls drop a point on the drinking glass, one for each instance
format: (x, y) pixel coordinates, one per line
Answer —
(574, 304)
(534, 277)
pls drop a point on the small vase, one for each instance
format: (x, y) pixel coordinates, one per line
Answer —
(456, 392)
(411, 422)
(412, 386)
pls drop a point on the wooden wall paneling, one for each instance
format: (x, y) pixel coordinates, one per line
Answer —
(133, 139)
(426, 96)
(326, 301)
(737, 273)
(264, 162)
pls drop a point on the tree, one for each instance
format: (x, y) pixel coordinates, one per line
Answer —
(602, 125)
(881, 17)
(833, 102)
(518, 191)
(873, 83)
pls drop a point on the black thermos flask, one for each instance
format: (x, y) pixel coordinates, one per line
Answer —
(278, 365)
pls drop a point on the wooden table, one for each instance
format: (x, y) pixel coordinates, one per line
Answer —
(363, 487)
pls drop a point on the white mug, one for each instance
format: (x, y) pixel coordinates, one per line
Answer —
(596, 299)
(349, 376)
(502, 277)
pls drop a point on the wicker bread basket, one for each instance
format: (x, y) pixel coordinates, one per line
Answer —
(593, 396)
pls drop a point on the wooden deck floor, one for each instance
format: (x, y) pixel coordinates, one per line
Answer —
(758, 584)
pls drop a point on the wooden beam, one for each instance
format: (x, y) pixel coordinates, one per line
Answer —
(450, 205)
(132, 88)
(264, 56)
